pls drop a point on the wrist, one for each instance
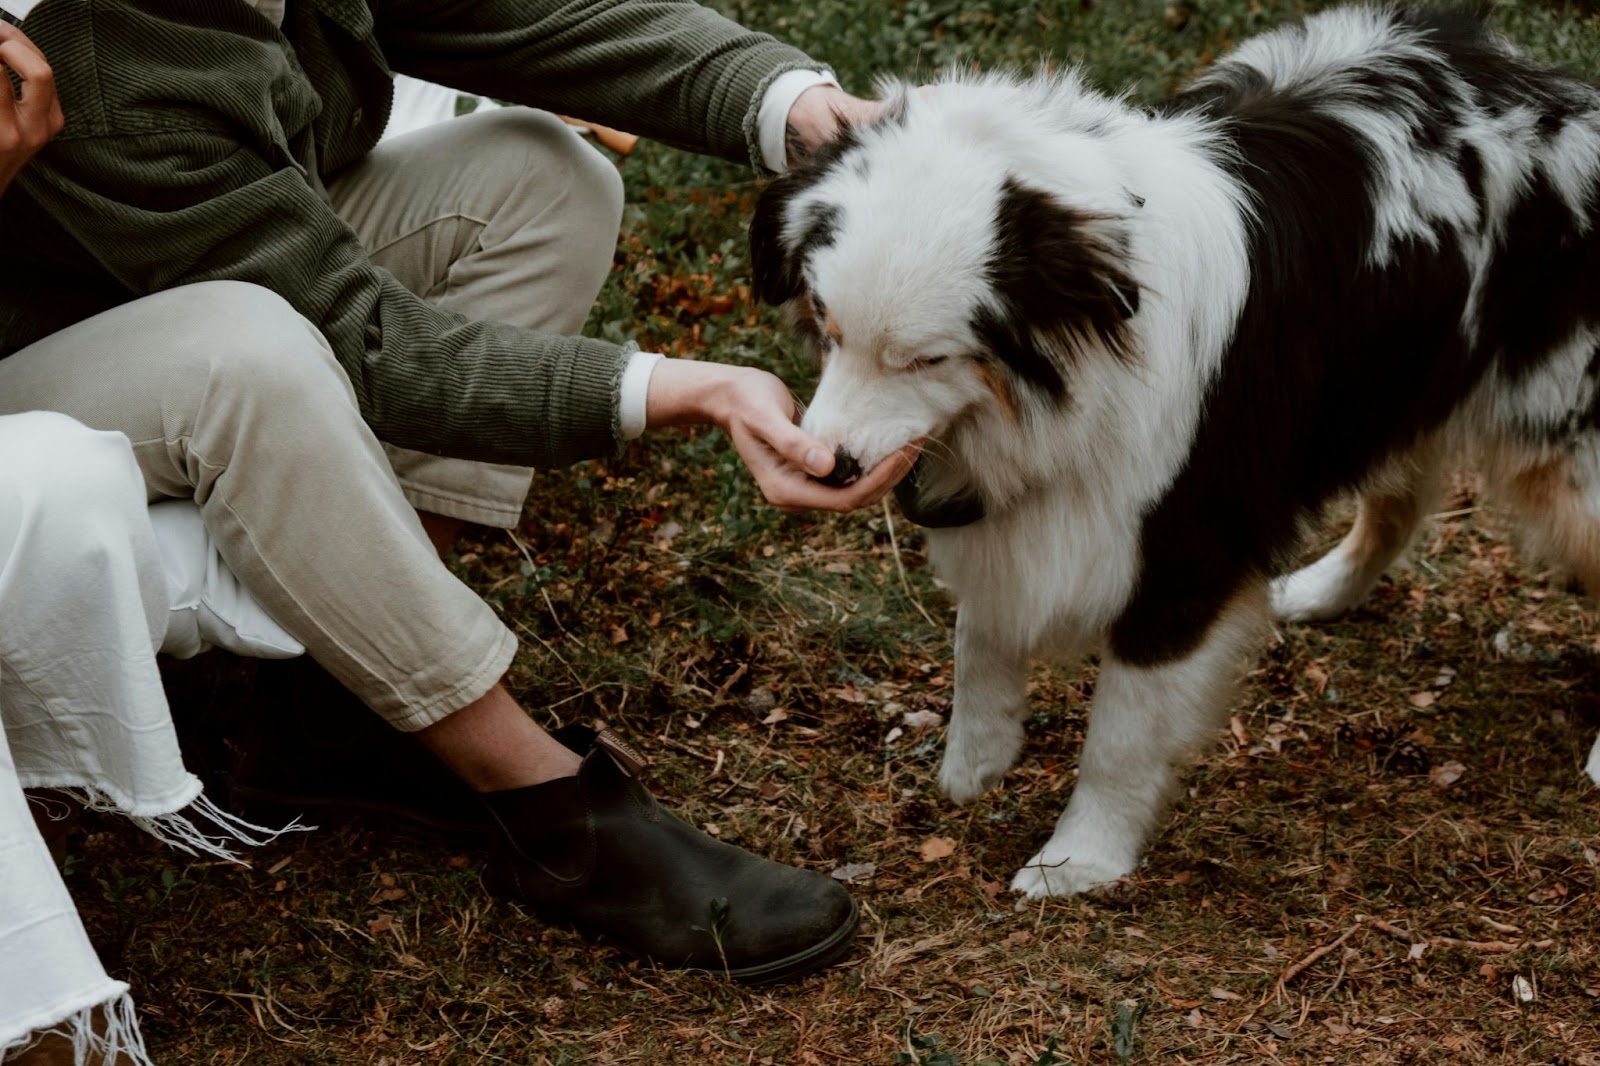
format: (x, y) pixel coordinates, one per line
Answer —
(686, 392)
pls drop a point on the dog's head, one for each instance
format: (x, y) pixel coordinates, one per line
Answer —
(964, 256)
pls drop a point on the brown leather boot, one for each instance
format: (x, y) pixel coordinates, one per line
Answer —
(598, 852)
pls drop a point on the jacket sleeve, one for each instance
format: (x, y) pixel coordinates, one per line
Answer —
(179, 206)
(668, 69)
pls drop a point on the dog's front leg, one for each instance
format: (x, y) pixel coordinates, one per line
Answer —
(990, 704)
(1144, 719)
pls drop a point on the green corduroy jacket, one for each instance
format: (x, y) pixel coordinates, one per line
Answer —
(190, 128)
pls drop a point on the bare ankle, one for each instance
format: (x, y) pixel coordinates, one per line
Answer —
(493, 745)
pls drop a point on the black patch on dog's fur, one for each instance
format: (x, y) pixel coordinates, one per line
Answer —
(1061, 278)
(1533, 299)
(1335, 364)
(776, 264)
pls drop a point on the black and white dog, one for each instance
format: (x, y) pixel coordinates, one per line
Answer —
(1146, 347)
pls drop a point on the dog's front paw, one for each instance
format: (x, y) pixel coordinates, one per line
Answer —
(1319, 592)
(1053, 873)
(975, 762)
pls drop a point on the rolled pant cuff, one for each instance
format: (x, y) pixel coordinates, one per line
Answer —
(503, 516)
(414, 716)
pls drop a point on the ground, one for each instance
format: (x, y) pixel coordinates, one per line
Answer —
(1389, 857)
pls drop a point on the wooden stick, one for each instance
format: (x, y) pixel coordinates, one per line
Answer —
(1300, 967)
(1486, 947)
(1393, 930)
(616, 140)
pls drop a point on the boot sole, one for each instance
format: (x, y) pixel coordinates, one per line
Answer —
(818, 955)
(813, 958)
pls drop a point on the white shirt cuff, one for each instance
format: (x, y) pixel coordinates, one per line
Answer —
(772, 119)
(634, 392)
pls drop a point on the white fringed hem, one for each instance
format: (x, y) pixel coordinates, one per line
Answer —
(113, 1037)
(177, 830)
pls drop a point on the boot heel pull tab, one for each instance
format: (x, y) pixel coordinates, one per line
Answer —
(622, 753)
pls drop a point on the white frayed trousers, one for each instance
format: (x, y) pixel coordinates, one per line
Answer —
(85, 602)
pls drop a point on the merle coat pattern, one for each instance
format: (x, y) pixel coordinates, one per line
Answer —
(1151, 345)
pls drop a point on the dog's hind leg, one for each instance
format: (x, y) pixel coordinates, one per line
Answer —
(1392, 506)
(989, 707)
(1556, 500)
(1144, 719)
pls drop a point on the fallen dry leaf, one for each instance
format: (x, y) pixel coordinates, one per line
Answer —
(381, 924)
(1422, 699)
(1446, 774)
(776, 715)
(1318, 678)
(852, 870)
(935, 848)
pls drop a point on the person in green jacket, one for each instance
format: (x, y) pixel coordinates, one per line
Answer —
(446, 274)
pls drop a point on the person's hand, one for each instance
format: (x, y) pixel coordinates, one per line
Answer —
(815, 117)
(31, 117)
(816, 114)
(757, 412)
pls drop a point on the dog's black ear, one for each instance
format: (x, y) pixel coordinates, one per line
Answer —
(774, 266)
(1062, 273)
(776, 279)
(777, 265)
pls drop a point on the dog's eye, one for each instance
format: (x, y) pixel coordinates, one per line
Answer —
(926, 362)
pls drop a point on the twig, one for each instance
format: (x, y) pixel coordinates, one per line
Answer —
(551, 647)
(1499, 927)
(532, 569)
(686, 749)
(1415, 939)
(733, 679)
(1487, 947)
(1300, 967)
(1393, 930)
(900, 567)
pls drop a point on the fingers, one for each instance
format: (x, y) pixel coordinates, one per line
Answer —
(791, 489)
(34, 116)
(9, 32)
(799, 448)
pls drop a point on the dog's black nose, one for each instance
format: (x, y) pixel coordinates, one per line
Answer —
(845, 470)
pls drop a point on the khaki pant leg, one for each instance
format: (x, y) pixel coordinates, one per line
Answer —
(505, 216)
(230, 397)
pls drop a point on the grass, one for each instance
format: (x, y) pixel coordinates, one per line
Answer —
(1392, 838)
